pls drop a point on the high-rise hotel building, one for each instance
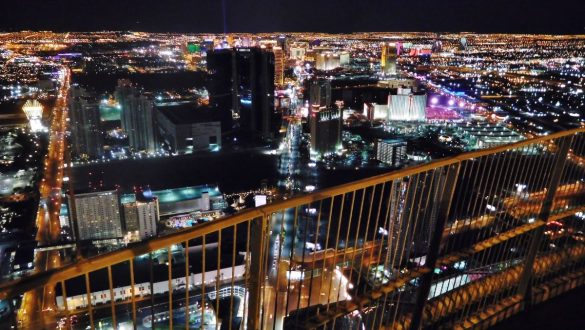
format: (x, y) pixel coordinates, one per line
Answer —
(241, 80)
(97, 215)
(406, 105)
(137, 116)
(325, 127)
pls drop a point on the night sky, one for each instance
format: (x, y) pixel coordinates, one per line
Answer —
(524, 16)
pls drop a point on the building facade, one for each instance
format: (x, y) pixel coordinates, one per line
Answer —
(329, 60)
(278, 65)
(326, 130)
(242, 80)
(98, 215)
(183, 200)
(185, 131)
(391, 151)
(33, 110)
(320, 93)
(84, 113)
(137, 117)
(388, 59)
(407, 106)
(141, 217)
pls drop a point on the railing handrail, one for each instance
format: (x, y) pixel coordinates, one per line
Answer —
(16, 287)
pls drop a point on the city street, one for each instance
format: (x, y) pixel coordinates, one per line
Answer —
(48, 225)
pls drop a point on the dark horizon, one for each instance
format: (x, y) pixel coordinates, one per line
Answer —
(264, 16)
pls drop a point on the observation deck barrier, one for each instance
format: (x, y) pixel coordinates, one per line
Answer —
(462, 242)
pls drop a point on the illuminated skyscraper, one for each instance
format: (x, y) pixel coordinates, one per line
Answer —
(388, 59)
(137, 117)
(84, 114)
(297, 53)
(297, 50)
(278, 65)
(391, 152)
(407, 106)
(141, 216)
(329, 60)
(34, 113)
(98, 215)
(242, 80)
(325, 130)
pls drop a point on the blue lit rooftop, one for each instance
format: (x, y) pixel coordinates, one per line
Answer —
(177, 194)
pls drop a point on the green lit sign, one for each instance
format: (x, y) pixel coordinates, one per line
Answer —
(193, 48)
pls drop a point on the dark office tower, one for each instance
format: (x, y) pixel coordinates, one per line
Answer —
(320, 93)
(325, 130)
(137, 116)
(84, 114)
(242, 80)
(282, 42)
(221, 83)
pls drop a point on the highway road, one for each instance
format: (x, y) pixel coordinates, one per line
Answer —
(47, 221)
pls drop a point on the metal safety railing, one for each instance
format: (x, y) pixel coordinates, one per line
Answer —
(462, 242)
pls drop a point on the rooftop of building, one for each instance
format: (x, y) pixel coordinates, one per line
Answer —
(177, 194)
(95, 193)
(237, 49)
(393, 141)
(186, 113)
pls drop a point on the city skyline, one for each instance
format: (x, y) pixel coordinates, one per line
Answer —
(342, 180)
(499, 16)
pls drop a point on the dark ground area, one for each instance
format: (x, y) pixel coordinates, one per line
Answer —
(151, 82)
(566, 312)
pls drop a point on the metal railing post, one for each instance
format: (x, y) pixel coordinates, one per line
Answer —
(537, 234)
(256, 272)
(443, 206)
